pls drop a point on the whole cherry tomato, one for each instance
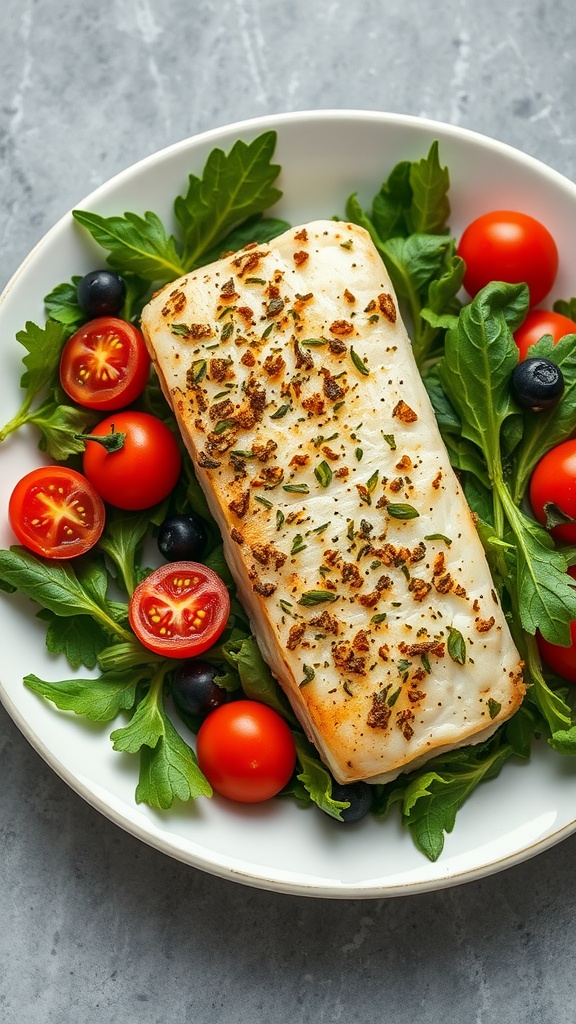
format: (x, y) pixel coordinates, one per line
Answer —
(506, 245)
(553, 482)
(135, 460)
(538, 323)
(246, 751)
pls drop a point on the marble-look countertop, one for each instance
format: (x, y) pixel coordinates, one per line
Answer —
(94, 925)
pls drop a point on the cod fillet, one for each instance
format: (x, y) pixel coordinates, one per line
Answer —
(355, 554)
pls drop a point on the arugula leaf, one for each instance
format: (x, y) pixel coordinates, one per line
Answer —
(316, 779)
(547, 592)
(257, 680)
(254, 229)
(78, 638)
(567, 307)
(169, 771)
(433, 798)
(391, 205)
(62, 304)
(168, 766)
(43, 346)
(564, 741)
(100, 700)
(233, 187)
(135, 244)
(122, 541)
(430, 184)
(55, 586)
(59, 427)
(480, 355)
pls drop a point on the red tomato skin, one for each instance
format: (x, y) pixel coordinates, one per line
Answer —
(56, 487)
(246, 751)
(160, 593)
(505, 245)
(105, 343)
(144, 471)
(554, 480)
(562, 660)
(538, 323)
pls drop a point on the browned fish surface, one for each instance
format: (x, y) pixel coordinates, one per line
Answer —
(354, 551)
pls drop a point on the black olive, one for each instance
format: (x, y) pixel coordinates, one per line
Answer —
(537, 383)
(193, 688)
(101, 293)
(182, 538)
(359, 794)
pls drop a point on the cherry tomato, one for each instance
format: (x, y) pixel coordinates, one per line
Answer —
(56, 512)
(554, 480)
(180, 609)
(246, 751)
(508, 246)
(562, 660)
(143, 470)
(105, 364)
(538, 323)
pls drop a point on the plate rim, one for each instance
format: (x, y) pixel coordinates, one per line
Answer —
(149, 836)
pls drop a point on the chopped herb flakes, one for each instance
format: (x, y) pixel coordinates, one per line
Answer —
(402, 511)
(323, 474)
(312, 597)
(359, 363)
(456, 646)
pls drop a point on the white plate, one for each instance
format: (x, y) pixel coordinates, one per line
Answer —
(325, 155)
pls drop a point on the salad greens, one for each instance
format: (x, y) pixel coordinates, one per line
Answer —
(462, 352)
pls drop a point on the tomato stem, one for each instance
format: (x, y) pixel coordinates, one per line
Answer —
(112, 442)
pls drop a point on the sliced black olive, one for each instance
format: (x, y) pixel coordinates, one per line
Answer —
(101, 293)
(359, 794)
(182, 538)
(537, 383)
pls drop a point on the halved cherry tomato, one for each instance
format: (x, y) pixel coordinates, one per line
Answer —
(538, 323)
(180, 609)
(144, 468)
(55, 512)
(105, 364)
(505, 245)
(561, 660)
(554, 482)
(246, 751)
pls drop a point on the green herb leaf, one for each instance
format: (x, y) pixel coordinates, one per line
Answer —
(56, 587)
(312, 597)
(359, 363)
(456, 645)
(100, 700)
(402, 511)
(60, 427)
(430, 184)
(309, 674)
(62, 304)
(136, 244)
(258, 683)
(78, 638)
(233, 187)
(169, 771)
(323, 473)
(317, 780)
(432, 800)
